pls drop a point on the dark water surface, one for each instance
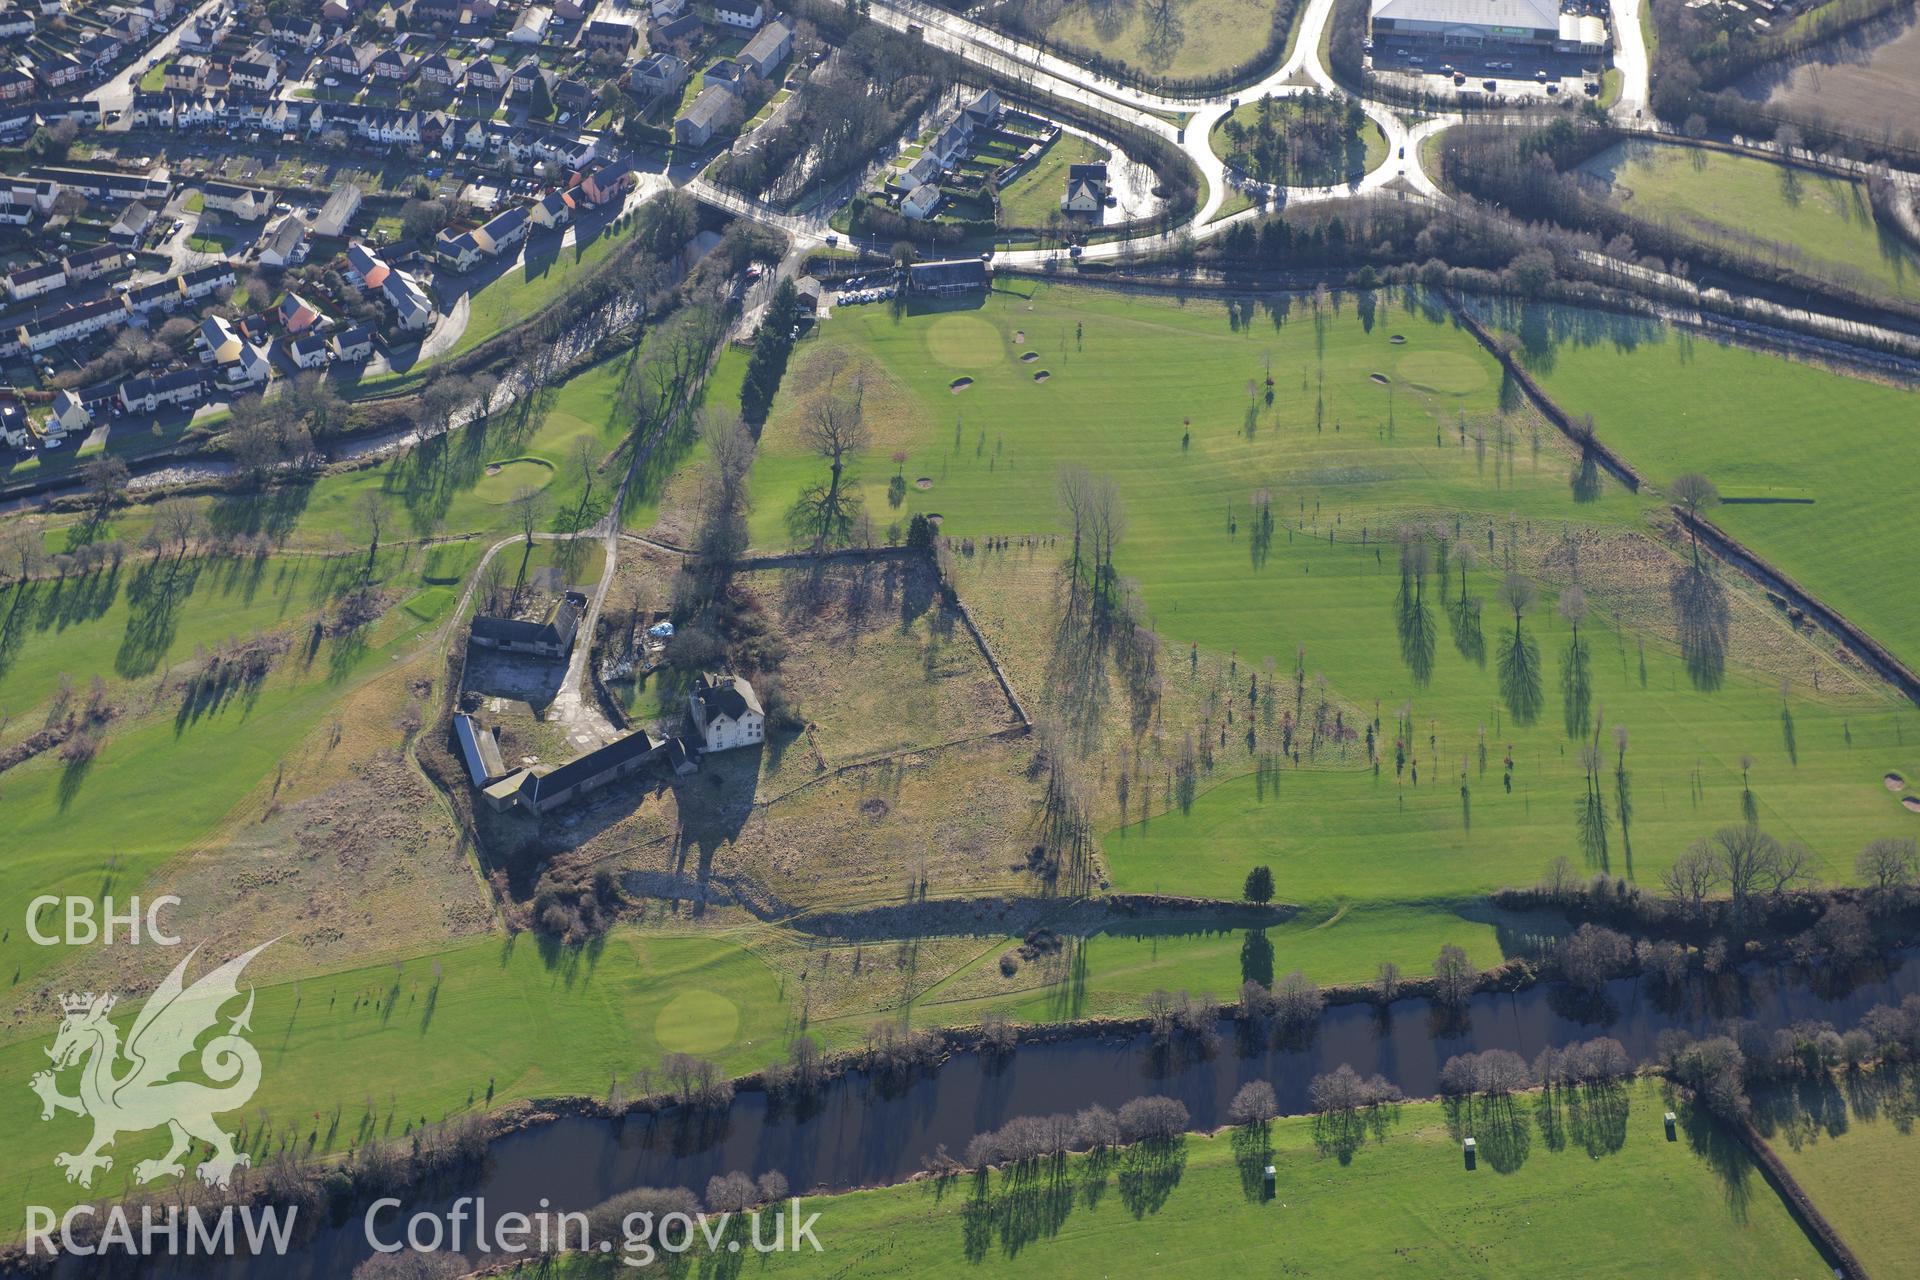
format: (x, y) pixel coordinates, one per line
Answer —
(858, 1133)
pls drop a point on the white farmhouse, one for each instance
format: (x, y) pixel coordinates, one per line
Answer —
(726, 712)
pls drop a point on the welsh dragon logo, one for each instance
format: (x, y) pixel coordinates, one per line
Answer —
(129, 1088)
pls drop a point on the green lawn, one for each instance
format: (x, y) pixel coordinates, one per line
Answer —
(1825, 226)
(532, 283)
(1556, 1199)
(379, 1050)
(1202, 37)
(1851, 1143)
(1754, 422)
(1028, 199)
(1141, 372)
(1365, 150)
(86, 829)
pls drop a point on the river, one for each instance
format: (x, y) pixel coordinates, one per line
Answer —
(858, 1133)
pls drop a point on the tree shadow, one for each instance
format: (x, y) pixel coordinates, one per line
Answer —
(1576, 691)
(1597, 1117)
(1414, 622)
(1700, 611)
(1256, 958)
(154, 596)
(1585, 479)
(1519, 671)
(1463, 619)
(1252, 1153)
(1148, 1173)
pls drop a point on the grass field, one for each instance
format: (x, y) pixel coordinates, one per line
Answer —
(1365, 151)
(1822, 225)
(1131, 376)
(1869, 77)
(1851, 1143)
(1202, 37)
(1399, 1205)
(378, 1051)
(532, 282)
(1752, 421)
(1028, 199)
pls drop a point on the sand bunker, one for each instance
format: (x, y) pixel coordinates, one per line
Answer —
(1019, 336)
(924, 482)
(1042, 376)
(493, 468)
(1380, 378)
(1912, 803)
(1398, 339)
(959, 384)
(1895, 782)
(1028, 357)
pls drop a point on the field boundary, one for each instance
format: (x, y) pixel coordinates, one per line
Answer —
(1826, 1237)
(1755, 567)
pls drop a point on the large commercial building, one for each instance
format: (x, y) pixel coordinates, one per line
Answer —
(1472, 23)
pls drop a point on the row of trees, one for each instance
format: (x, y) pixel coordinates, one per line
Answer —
(1025, 1139)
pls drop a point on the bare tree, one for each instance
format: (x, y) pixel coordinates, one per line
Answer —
(372, 510)
(1695, 494)
(586, 464)
(175, 522)
(730, 452)
(1693, 876)
(106, 479)
(1454, 976)
(1749, 861)
(1254, 1104)
(1573, 608)
(1518, 593)
(1888, 865)
(529, 505)
(834, 428)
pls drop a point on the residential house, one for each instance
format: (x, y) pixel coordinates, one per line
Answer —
(57, 70)
(212, 280)
(106, 185)
(726, 713)
(729, 75)
(412, 308)
(15, 84)
(658, 75)
(33, 282)
(920, 202)
(485, 78)
(308, 351)
(443, 70)
(298, 33)
(551, 638)
(71, 323)
(353, 344)
(185, 74)
(746, 15)
(949, 146)
(131, 227)
(771, 45)
(527, 79)
(257, 72)
(1086, 189)
(570, 10)
(70, 413)
(552, 211)
(91, 264)
(158, 295)
(663, 11)
(714, 108)
(392, 66)
(338, 213)
(425, 15)
(285, 243)
(503, 231)
(219, 341)
(602, 36)
(366, 265)
(606, 181)
(175, 390)
(249, 204)
(985, 111)
(533, 24)
(807, 294)
(685, 28)
(345, 58)
(572, 98)
(456, 250)
(297, 315)
(80, 111)
(98, 51)
(15, 23)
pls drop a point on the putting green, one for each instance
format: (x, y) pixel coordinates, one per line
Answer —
(964, 342)
(1447, 372)
(697, 1022)
(513, 475)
